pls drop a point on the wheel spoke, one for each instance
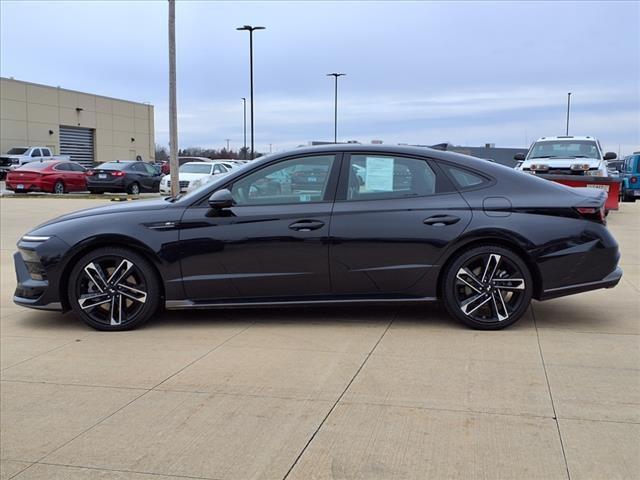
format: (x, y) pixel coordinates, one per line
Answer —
(508, 283)
(472, 304)
(120, 272)
(491, 267)
(499, 306)
(95, 275)
(469, 279)
(132, 293)
(90, 301)
(116, 310)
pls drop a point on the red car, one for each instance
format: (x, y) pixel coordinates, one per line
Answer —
(54, 176)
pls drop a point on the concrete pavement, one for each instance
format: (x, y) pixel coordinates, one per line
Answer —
(322, 393)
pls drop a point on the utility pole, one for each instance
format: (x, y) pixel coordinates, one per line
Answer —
(173, 110)
(335, 103)
(250, 29)
(568, 108)
(244, 120)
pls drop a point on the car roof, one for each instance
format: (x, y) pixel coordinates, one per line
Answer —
(567, 138)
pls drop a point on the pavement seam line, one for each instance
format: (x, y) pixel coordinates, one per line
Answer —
(553, 406)
(355, 375)
(31, 464)
(107, 469)
(38, 355)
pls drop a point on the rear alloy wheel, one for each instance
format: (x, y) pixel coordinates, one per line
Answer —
(134, 189)
(58, 188)
(114, 289)
(488, 287)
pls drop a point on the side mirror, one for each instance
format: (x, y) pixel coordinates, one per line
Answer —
(519, 156)
(610, 156)
(221, 199)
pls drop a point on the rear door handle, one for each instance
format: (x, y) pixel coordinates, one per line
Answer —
(306, 225)
(441, 220)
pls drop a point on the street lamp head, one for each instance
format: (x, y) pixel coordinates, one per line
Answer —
(249, 28)
(336, 75)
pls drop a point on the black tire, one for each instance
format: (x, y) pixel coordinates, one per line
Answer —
(484, 296)
(134, 189)
(114, 289)
(58, 188)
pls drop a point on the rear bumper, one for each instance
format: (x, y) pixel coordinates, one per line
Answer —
(109, 186)
(610, 281)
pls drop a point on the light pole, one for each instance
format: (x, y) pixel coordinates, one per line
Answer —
(244, 131)
(335, 110)
(568, 108)
(173, 109)
(227, 140)
(250, 29)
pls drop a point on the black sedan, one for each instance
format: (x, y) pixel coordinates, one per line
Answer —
(385, 225)
(124, 176)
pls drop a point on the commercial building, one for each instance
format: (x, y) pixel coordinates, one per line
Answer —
(90, 128)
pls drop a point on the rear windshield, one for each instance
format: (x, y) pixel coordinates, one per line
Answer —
(196, 168)
(35, 165)
(113, 165)
(17, 151)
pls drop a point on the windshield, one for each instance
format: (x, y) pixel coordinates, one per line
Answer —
(35, 165)
(565, 149)
(196, 168)
(17, 151)
(112, 166)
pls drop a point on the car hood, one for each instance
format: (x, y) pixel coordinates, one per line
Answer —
(187, 176)
(120, 207)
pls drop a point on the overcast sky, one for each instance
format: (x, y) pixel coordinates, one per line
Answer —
(417, 72)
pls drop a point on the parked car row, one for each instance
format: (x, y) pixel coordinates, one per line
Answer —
(63, 176)
(18, 156)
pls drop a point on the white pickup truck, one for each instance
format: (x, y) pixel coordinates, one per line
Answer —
(18, 156)
(565, 155)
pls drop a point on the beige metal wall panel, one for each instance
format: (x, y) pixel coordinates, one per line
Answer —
(42, 113)
(104, 105)
(123, 124)
(141, 125)
(122, 153)
(124, 109)
(68, 116)
(104, 121)
(13, 90)
(42, 95)
(14, 129)
(87, 102)
(122, 139)
(13, 109)
(38, 133)
(104, 137)
(86, 118)
(142, 111)
(104, 153)
(67, 99)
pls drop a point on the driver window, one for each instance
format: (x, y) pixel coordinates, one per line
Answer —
(300, 180)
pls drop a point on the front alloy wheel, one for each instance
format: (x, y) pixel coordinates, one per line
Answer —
(113, 289)
(488, 288)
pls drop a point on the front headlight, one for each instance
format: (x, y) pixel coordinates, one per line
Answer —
(539, 167)
(594, 173)
(580, 167)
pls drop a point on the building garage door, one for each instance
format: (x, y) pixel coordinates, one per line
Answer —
(78, 143)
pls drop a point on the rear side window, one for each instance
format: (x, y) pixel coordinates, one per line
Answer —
(36, 153)
(46, 152)
(375, 177)
(463, 178)
(63, 167)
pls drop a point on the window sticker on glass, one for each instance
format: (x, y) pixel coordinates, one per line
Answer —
(379, 174)
(305, 197)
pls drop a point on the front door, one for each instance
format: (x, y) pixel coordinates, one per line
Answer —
(272, 244)
(392, 219)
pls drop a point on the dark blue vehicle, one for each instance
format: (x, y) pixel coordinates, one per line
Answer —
(631, 178)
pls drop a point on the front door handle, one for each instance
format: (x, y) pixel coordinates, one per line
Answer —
(441, 220)
(306, 225)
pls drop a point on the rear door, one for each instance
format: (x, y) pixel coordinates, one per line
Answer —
(393, 218)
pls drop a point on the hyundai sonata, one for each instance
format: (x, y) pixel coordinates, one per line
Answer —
(328, 225)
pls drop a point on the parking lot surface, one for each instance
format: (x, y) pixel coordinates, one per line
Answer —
(346, 393)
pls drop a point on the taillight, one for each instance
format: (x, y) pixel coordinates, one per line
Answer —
(593, 214)
(634, 180)
(117, 174)
(90, 173)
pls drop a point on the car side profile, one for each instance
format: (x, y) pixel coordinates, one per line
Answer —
(363, 225)
(128, 176)
(52, 176)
